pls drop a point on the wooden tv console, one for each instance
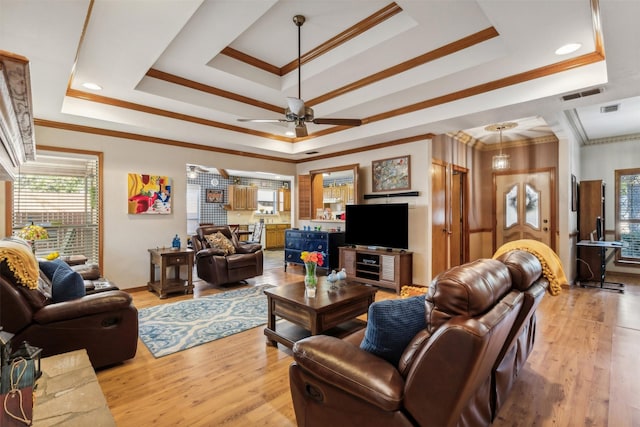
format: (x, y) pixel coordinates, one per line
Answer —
(380, 267)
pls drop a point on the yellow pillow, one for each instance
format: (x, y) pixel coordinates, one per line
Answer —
(219, 241)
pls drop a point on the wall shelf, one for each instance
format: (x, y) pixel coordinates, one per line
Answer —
(388, 195)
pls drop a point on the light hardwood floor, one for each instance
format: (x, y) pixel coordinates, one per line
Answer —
(583, 370)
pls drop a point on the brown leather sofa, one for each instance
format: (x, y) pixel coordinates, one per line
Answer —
(105, 324)
(445, 375)
(218, 268)
(526, 275)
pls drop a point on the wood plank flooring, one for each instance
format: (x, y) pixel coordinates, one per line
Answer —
(583, 370)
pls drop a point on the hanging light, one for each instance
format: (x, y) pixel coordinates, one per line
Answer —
(501, 161)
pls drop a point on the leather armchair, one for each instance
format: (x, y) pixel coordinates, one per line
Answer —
(105, 324)
(219, 269)
(444, 375)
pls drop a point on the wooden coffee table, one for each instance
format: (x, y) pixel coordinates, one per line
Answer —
(330, 312)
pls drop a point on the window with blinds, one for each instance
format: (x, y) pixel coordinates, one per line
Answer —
(59, 191)
(628, 214)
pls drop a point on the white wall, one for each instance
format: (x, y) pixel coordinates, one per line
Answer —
(419, 221)
(127, 237)
(600, 162)
(568, 164)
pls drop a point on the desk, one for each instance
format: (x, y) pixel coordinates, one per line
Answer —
(603, 246)
(170, 258)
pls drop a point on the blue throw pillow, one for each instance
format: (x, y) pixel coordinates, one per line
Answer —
(391, 324)
(66, 284)
(50, 267)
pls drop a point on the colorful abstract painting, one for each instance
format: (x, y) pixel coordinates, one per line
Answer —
(149, 194)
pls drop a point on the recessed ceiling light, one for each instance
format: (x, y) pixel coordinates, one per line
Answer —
(91, 86)
(568, 48)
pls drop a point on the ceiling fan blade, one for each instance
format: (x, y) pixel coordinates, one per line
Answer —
(301, 130)
(264, 120)
(338, 122)
(296, 106)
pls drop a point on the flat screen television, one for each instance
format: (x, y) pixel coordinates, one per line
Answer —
(379, 225)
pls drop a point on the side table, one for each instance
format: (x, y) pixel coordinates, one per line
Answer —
(170, 258)
(68, 393)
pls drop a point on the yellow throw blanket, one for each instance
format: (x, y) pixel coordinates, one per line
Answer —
(21, 261)
(551, 265)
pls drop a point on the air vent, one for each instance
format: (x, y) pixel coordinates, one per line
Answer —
(577, 95)
(610, 108)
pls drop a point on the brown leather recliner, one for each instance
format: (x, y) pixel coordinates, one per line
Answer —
(444, 375)
(219, 269)
(526, 275)
(105, 324)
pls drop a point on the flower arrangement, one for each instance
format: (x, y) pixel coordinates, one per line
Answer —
(311, 260)
(314, 257)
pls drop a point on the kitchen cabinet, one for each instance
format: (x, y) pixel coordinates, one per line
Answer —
(274, 235)
(242, 197)
(338, 194)
(284, 200)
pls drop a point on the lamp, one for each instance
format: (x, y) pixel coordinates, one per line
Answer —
(501, 161)
(32, 233)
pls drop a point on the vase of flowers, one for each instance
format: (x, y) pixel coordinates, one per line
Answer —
(311, 261)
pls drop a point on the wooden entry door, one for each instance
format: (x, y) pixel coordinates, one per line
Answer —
(523, 207)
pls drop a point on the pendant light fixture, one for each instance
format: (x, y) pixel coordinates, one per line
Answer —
(501, 161)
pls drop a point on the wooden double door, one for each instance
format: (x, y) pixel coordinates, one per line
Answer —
(523, 205)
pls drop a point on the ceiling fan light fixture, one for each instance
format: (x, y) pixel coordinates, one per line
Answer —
(298, 113)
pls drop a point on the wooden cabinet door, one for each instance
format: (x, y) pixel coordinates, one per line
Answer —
(251, 198)
(284, 200)
(271, 238)
(348, 261)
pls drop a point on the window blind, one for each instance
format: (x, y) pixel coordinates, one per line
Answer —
(59, 191)
(628, 213)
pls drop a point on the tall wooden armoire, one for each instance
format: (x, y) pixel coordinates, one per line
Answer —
(590, 206)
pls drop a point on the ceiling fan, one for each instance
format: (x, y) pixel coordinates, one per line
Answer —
(297, 112)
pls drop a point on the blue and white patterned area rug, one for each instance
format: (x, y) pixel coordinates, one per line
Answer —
(169, 328)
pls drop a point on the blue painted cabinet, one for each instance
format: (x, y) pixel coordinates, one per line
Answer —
(297, 241)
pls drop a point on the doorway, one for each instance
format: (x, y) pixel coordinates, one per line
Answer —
(450, 229)
(523, 206)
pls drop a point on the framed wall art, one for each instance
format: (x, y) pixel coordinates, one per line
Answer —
(148, 194)
(215, 196)
(391, 174)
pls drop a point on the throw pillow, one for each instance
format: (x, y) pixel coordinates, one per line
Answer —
(50, 267)
(220, 241)
(391, 324)
(66, 284)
